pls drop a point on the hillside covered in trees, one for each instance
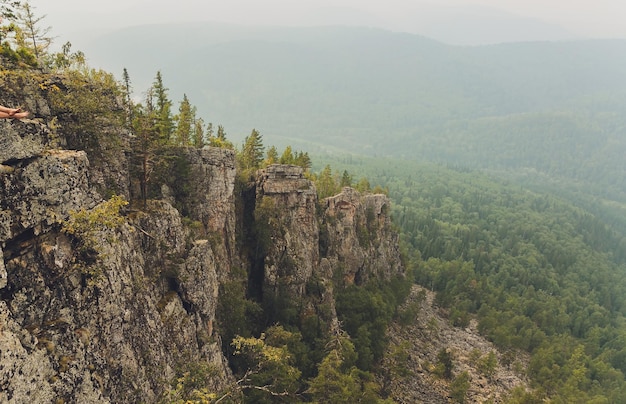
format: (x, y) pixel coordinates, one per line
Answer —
(539, 273)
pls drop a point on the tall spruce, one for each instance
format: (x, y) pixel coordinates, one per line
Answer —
(253, 151)
(128, 90)
(184, 123)
(197, 135)
(163, 107)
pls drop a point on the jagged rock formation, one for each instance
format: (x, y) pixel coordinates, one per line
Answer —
(358, 237)
(119, 319)
(287, 201)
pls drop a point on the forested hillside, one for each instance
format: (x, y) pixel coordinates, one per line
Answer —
(539, 274)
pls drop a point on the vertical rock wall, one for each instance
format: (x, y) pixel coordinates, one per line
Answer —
(358, 237)
(289, 203)
(353, 236)
(116, 327)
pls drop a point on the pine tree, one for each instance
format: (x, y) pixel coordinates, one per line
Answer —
(339, 381)
(209, 133)
(7, 9)
(272, 156)
(346, 179)
(185, 122)
(66, 59)
(325, 184)
(145, 145)
(127, 88)
(252, 151)
(303, 160)
(33, 32)
(221, 133)
(8, 13)
(163, 108)
(287, 156)
(198, 133)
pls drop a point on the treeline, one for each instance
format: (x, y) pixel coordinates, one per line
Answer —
(538, 273)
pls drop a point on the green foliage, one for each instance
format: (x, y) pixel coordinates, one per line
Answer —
(159, 102)
(408, 315)
(12, 35)
(267, 220)
(339, 381)
(88, 227)
(84, 103)
(538, 273)
(272, 156)
(365, 312)
(192, 385)
(346, 179)
(270, 373)
(219, 140)
(326, 184)
(185, 123)
(444, 365)
(66, 59)
(33, 35)
(300, 158)
(487, 364)
(459, 387)
(252, 152)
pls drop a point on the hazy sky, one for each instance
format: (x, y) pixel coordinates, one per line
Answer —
(580, 18)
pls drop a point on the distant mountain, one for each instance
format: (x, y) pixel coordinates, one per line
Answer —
(555, 107)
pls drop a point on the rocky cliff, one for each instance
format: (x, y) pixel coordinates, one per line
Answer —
(358, 237)
(116, 327)
(115, 311)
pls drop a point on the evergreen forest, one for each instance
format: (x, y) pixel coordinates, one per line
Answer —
(539, 272)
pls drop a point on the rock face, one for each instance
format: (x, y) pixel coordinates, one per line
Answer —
(286, 201)
(358, 238)
(119, 327)
(352, 236)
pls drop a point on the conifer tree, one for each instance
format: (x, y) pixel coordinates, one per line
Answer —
(221, 133)
(219, 140)
(287, 156)
(127, 89)
(303, 160)
(32, 30)
(185, 122)
(325, 184)
(272, 156)
(252, 151)
(346, 179)
(145, 147)
(7, 9)
(7, 13)
(163, 108)
(198, 133)
(209, 133)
